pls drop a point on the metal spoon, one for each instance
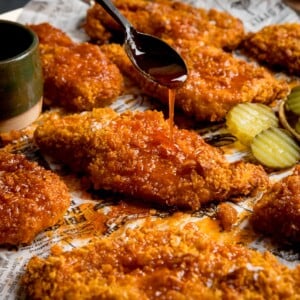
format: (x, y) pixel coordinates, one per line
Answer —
(154, 58)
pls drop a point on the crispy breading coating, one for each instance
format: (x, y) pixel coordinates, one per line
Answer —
(227, 215)
(50, 35)
(76, 76)
(216, 82)
(168, 19)
(277, 46)
(31, 199)
(153, 263)
(134, 154)
(277, 214)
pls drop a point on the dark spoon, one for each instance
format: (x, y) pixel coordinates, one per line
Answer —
(154, 58)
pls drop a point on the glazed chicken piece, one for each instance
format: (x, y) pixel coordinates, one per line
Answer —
(31, 199)
(277, 46)
(153, 263)
(76, 76)
(277, 214)
(168, 19)
(135, 155)
(50, 35)
(216, 82)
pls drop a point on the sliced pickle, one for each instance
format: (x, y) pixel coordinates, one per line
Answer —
(275, 148)
(296, 88)
(246, 120)
(297, 126)
(293, 101)
(288, 121)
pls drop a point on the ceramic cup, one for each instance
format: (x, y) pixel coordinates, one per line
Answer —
(21, 82)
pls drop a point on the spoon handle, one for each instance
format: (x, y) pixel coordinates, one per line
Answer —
(114, 12)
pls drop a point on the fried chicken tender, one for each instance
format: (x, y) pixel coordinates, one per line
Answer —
(50, 35)
(277, 46)
(150, 263)
(168, 19)
(216, 82)
(133, 154)
(31, 199)
(76, 76)
(277, 214)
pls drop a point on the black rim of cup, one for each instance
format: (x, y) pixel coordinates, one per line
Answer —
(20, 43)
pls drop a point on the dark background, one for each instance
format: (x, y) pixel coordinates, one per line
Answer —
(6, 5)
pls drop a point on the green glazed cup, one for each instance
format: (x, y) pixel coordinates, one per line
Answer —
(21, 81)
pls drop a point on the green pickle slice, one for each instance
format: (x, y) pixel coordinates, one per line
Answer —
(293, 101)
(297, 126)
(246, 120)
(275, 148)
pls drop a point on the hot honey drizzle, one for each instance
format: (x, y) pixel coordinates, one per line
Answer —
(171, 94)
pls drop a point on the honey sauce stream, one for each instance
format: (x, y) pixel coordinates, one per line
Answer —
(171, 95)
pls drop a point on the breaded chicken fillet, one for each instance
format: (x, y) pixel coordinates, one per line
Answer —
(152, 263)
(76, 76)
(168, 19)
(134, 154)
(216, 81)
(277, 213)
(50, 35)
(31, 199)
(277, 46)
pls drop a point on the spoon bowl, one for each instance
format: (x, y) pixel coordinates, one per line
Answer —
(151, 56)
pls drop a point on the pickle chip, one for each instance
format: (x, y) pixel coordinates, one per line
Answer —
(297, 126)
(246, 120)
(293, 101)
(289, 120)
(275, 148)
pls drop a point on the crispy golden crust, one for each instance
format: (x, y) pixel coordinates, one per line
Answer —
(278, 212)
(227, 215)
(49, 35)
(74, 135)
(31, 199)
(168, 19)
(216, 81)
(134, 154)
(154, 263)
(77, 76)
(276, 45)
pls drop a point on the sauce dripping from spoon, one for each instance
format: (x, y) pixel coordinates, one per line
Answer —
(155, 59)
(151, 56)
(171, 95)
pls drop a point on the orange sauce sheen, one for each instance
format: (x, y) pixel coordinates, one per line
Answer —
(171, 110)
